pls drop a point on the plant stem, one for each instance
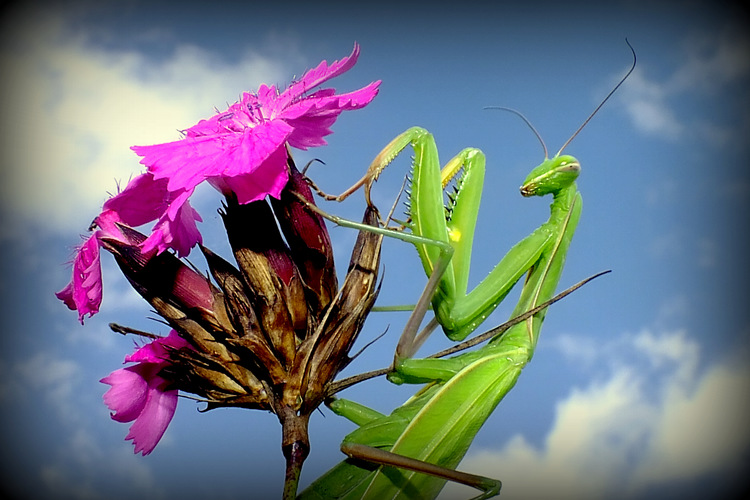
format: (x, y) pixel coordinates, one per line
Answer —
(295, 445)
(293, 469)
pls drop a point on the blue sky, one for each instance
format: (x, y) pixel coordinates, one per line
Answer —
(639, 387)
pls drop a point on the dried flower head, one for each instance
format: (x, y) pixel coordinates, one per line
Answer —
(271, 332)
(274, 332)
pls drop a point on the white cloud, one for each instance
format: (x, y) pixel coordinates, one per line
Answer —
(71, 111)
(647, 107)
(713, 66)
(77, 463)
(673, 309)
(673, 349)
(646, 425)
(55, 478)
(715, 60)
(670, 244)
(56, 379)
(708, 253)
(84, 469)
(700, 431)
(585, 351)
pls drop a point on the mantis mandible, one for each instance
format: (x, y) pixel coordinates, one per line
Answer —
(436, 426)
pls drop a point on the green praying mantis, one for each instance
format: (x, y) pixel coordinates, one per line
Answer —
(412, 452)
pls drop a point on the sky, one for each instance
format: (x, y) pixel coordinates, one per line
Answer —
(640, 385)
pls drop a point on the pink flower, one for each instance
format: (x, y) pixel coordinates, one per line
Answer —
(139, 393)
(243, 149)
(84, 292)
(143, 200)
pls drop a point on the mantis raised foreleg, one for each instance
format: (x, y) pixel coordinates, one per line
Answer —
(440, 422)
(443, 235)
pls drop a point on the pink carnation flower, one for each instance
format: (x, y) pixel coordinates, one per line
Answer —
(84, 292)
(139, 394)
(146, 199)
(143, 200)
(243, 149)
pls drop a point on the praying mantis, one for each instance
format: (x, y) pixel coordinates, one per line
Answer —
(412, 452)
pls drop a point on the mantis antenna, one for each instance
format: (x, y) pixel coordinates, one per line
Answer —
(527, 122)
(622, 80)
(585, 122)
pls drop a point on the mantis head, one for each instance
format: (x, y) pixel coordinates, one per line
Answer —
(551, 176)
(557, 173)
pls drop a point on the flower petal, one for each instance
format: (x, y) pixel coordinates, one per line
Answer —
(180, 233)
(153, 421)
(269, 179)
(309, 127)
(127, 396)
(84, 292)
(139, 393)
(242, 150)
(187, 162)
(314, 77)
(144, 199)
(248, 138)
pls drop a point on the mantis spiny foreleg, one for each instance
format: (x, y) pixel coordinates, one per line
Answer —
(439, 423)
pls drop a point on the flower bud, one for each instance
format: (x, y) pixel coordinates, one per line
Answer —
(308, 239)
(273, 284)
(322, 356)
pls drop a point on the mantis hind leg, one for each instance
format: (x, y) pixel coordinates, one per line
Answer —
(488, 486)
(362, 415)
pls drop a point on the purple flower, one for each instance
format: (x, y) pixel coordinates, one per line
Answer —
(139, 393)
(143, 200)
(84, 292)
(243, 149)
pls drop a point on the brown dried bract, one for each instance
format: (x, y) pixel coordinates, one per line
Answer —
(274, 331)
